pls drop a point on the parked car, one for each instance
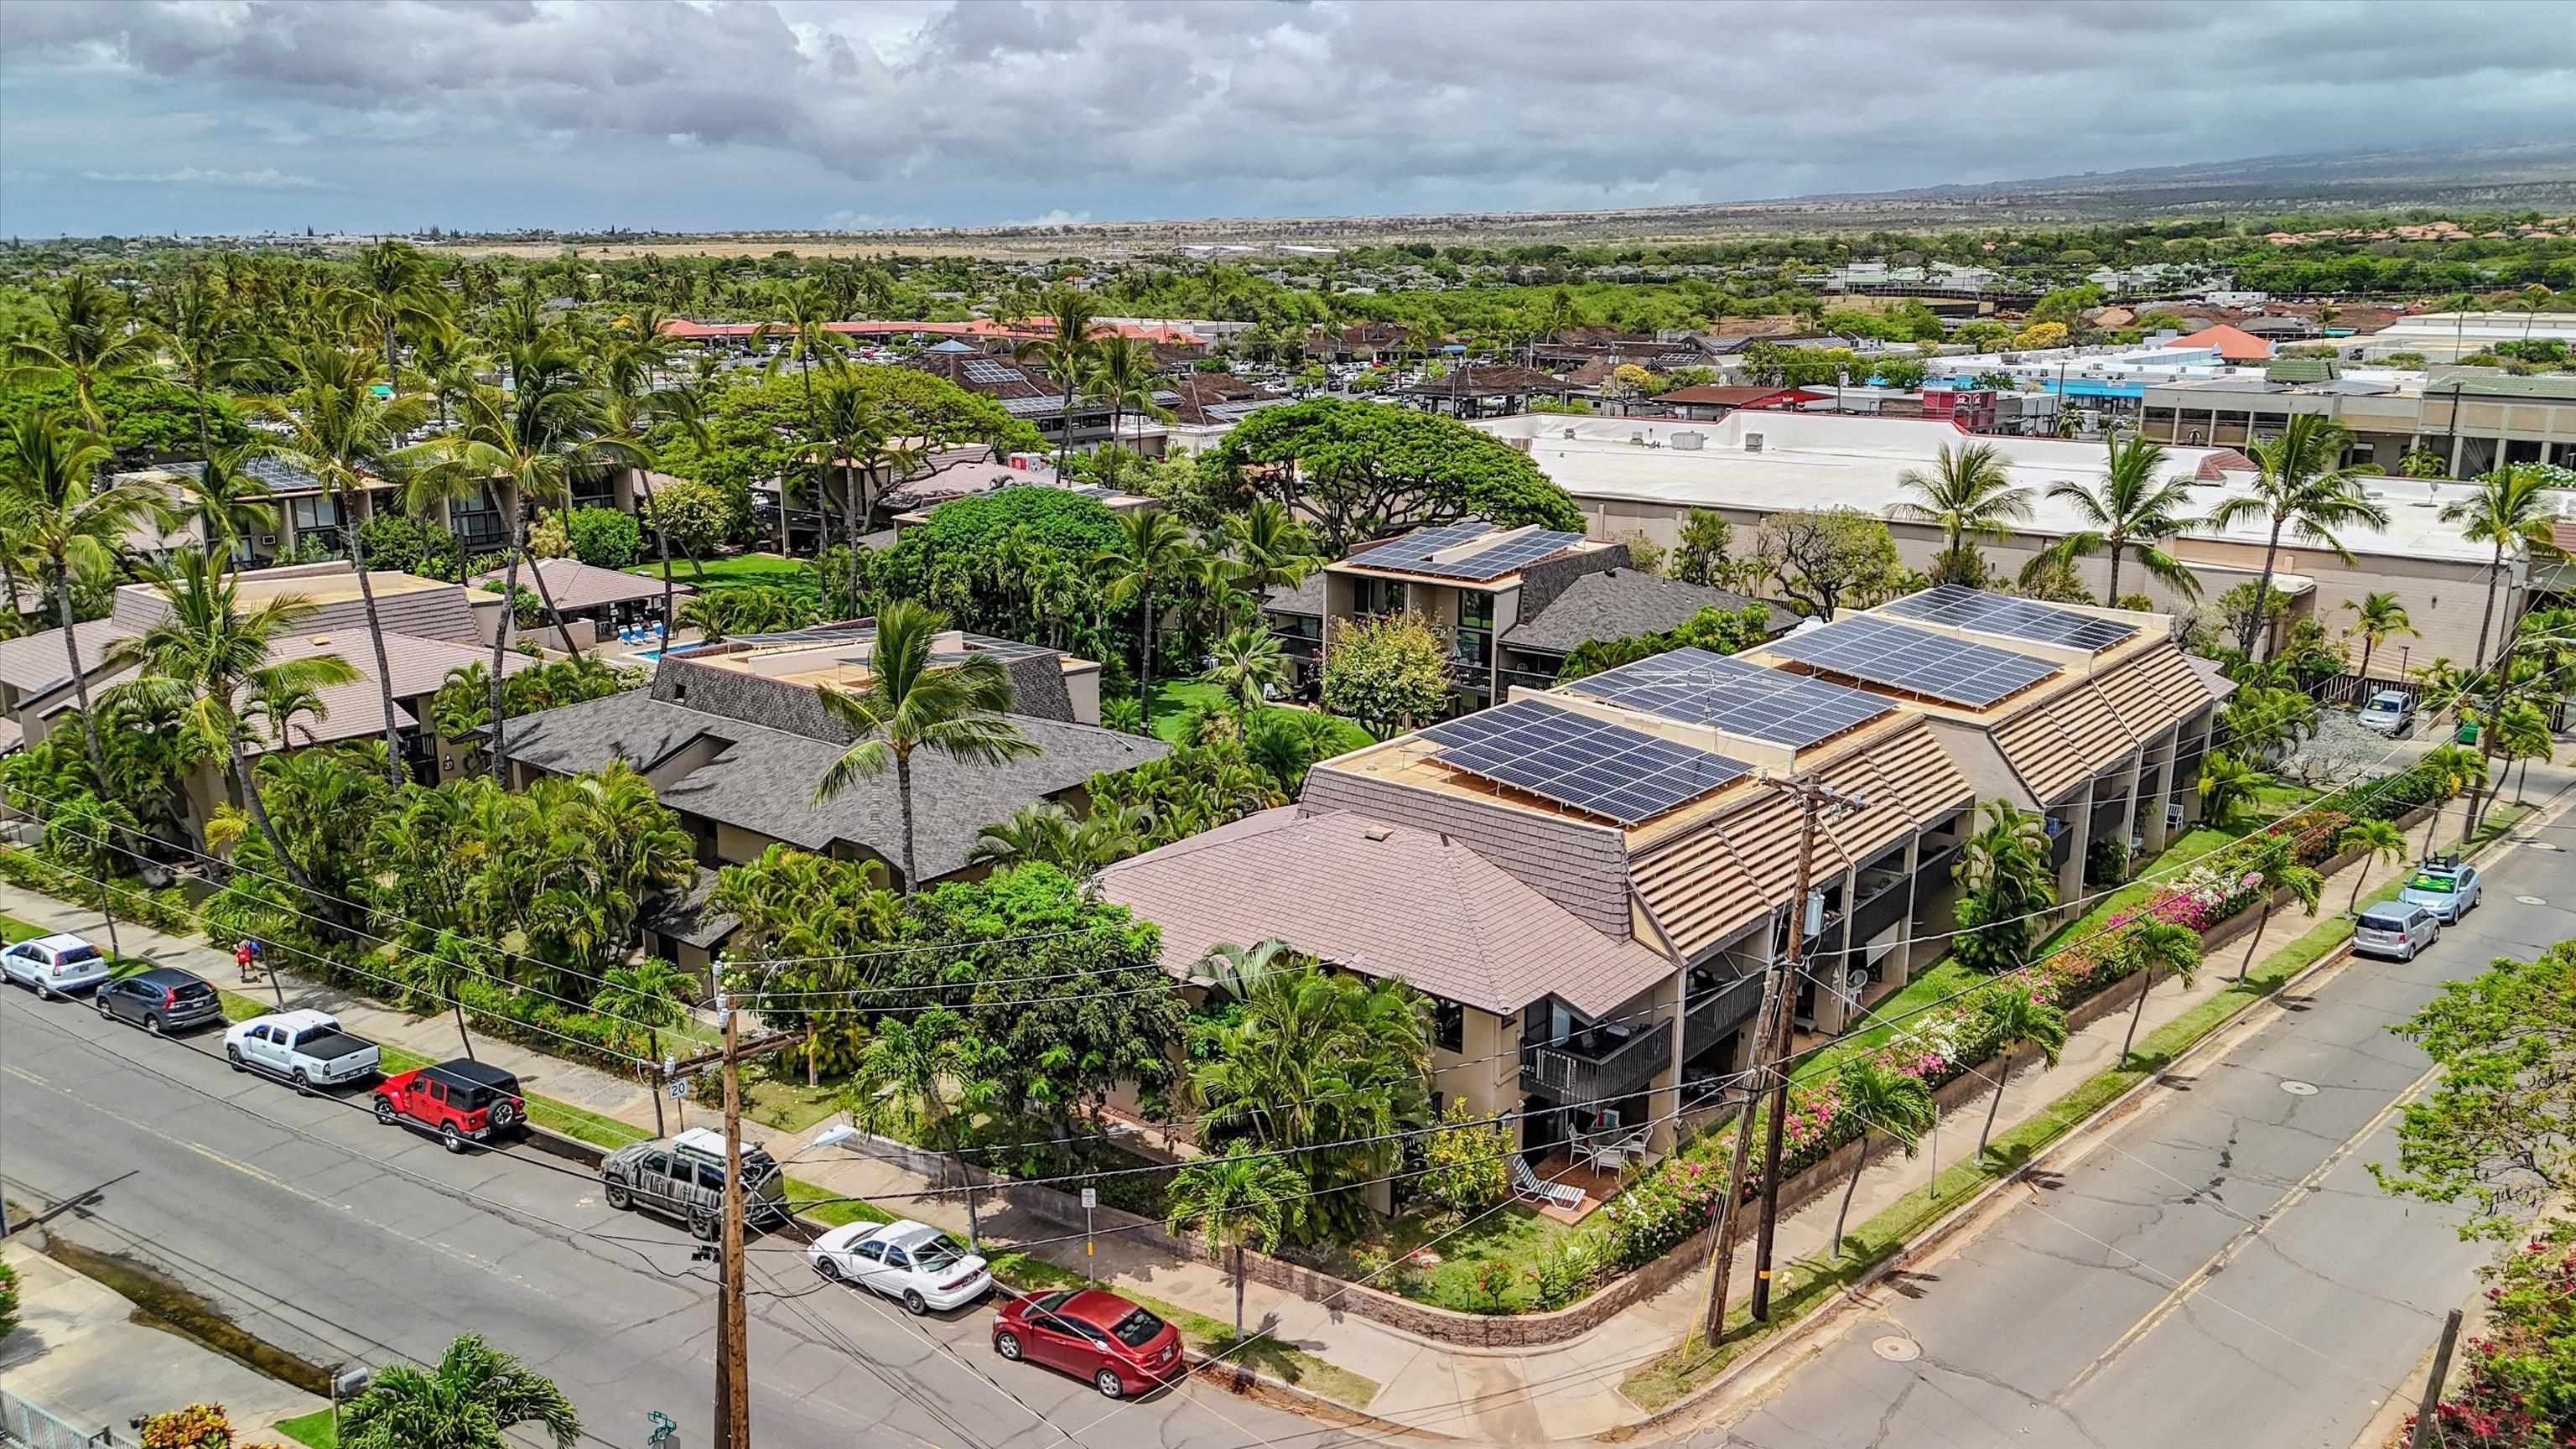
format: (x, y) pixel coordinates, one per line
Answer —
(1119, 1346)
(163, 999)
(2449, 889)
(54, 965)
(304, 1047)
(462, 1101)
(2395, 928)
(911, 1261)
(683, 1178)
(2391, 712)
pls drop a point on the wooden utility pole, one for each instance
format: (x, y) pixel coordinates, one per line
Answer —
(2427, 1434)
(1721, 1247)
(733, 1371)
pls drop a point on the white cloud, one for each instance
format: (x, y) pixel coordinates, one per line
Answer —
(267, 178)
(1057, 217)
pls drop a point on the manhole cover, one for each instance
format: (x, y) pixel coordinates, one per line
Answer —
(2300, 1089)
(2531, 900)
(1896, 1349)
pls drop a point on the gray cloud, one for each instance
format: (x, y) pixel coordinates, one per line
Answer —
(791, 112)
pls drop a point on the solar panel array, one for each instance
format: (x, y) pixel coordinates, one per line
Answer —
(277, 473)
(1967, 608)
(1936, 666)
(1573, 759)
(1412, 553)
(979, 370)
(1698, 687)
(1031, 407)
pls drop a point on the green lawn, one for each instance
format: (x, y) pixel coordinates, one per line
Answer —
(313, 1430)
(740, 571)
(1893, 1013)
(1498, 1243)
(1175, 701)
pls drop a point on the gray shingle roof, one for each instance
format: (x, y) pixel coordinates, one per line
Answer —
(1384, 900)
(1306, 598)
(577, 585)
(1618, 603)
(763, 779)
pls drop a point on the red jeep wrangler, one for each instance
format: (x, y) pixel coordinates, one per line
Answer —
(462, 1101)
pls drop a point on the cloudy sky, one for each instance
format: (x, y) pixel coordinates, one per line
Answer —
(134, 116)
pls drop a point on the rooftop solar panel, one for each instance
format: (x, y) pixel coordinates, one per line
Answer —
(991, 372)
(1411, 550)
(1967, 608)
(1936, 666)
(1696, 686)
(1573, 759)
(1412, 553)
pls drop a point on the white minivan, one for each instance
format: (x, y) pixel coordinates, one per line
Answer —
(54, 965)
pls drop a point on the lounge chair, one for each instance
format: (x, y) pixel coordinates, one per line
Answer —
(1530, 1186)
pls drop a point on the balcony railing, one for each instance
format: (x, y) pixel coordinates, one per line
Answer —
(1569, 1073)
(1714, 1010)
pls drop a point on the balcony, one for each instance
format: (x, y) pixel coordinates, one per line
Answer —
(1598, 1063)
(1713, 1009)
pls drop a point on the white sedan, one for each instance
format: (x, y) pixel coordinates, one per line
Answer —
(910, 1261)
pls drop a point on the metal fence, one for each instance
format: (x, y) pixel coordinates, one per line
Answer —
(25, 1424)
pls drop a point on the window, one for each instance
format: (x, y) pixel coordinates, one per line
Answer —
(314, 511)
(1475, 642)
(1448, 1025)
(1138, 1328)
(654, 1164)
(897, 1258)
(870, 1251)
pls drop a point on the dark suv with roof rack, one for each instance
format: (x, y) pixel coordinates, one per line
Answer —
(462, 1101)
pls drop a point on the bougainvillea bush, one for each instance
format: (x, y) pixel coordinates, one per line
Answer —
(2516, 1381)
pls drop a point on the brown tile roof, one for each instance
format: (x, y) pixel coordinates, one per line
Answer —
(2234, 344)
(1724, 394)
(577, 585)
(1497, 381)
(1385, 900)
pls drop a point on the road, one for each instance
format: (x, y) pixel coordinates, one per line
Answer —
(336, 1239)
(2219, 1269)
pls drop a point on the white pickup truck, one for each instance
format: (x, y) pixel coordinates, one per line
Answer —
(304, 1047)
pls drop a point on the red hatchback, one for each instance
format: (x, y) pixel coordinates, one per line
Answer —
(1099, 1336)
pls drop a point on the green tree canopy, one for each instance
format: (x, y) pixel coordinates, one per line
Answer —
(1363, 469)
(1388, 673)
(2492, 1134)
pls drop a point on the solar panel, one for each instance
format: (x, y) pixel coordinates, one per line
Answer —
(1698, 687)
(1412, 553)
(1573, 759)
(1967, 608)
(1031, 407)
(979, 370)
(1416, 548)
(1937, 666)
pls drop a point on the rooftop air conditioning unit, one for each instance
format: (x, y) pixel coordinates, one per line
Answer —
(1689, 442)
(1753, 442)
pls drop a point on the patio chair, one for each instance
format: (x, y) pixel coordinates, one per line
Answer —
(1529, 1185)
(1631, 1148)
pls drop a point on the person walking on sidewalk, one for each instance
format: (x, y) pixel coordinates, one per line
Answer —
(242, 958)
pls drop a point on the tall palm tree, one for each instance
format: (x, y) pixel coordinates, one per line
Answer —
(475, 1396)
(864, 439)
(1152, 547)
(202, 334)
(2451, 770)
(961, 711)
(2020, 1019)
(71, 528)
(85, 339)
(1248, 661)
(2513, 510)
(1276, 550)
(2375, 839)
(339, 431)
(2158, 945)
(2302, 488)
(1122, 375)
(1970, 494)
(392, 288)
(230, 501)
(2132, 507)
(1889, 1101)
(1065, 351)
(528, 443)
(804, 314)
(2378, 618)
(1236, 1200)
(634, 406)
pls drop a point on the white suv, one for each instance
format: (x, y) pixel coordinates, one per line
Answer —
(55, 965)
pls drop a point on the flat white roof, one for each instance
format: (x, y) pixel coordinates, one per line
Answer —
(1823, 460)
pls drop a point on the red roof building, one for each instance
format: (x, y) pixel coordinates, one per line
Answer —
(2234, 344)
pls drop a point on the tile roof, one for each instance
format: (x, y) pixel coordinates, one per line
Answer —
(1725, 394)
(1491, 381)
(577, 585)
(1384, 900)
(1620, 603)
(1306, 598)
(34, 663)
(2234, 344)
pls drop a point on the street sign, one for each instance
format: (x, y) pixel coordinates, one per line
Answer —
(1091, 1197)
(679, 1089)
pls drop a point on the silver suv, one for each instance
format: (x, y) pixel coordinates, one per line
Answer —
(683, 1178)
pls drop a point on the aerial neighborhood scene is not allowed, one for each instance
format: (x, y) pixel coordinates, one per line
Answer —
(684, 765)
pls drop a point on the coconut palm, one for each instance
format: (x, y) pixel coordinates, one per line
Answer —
(959, 710)
(2020, 1019)
(472, 1400)
(2132, 507)
(1066, 351)
(85, 339)
(804, 314)
(2374, 839)
(2228, 786)
(1248, 662)
(2451, 770)
(2513, 510)
(2158, 945)
(1888, 1101)
(202, 334)
(2522, 733)
(1970, 494)
(1122, 375)
(392, 287)
(1235, 1200)
(912, 1065)
(341, 432)
(1152, 548)
(2378, 618)
(274, 700)
(2301, 488)
(1274, 548)
(632, 406)
(66, 525)
(229, 501)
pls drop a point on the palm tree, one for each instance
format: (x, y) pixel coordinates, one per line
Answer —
(2228, 786)
(2451, 770)
(2302, 488)
(2530, 301)
(528, 443)
(2132, 507)
(2020, 1019)
(2159, 945)
(339, 431)
(909, 1064)
(651, 993)
(805, 314)
(1888, 1100)
(2522, 733)
(1152, 547)
(87, 340)
(960, 710)
(2513, 511)
(1248, 661)
(51, 459)
(2379, 618)
(1275, 550)
(229, 501)
(2375, 839)
(202, 333)
(273, 702)
(1122, 375)
(2006, 880)
(1236, 1200)
(219, 652)
(392, 286)
(2275, 870)
(472, 1400)
(1073, 331)
(1970, 494)
(1041, 830)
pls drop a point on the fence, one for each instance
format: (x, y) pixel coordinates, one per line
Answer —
(23, 1423)
(2357, 689)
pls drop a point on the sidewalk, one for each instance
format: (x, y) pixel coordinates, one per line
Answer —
(1561, 1391)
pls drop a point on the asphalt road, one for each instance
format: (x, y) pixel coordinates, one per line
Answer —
(2220, 1270)
(339, 1240)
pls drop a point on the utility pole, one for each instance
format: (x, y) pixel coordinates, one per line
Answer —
(1813, 797)
(1721, 1246)
(733, 1372)
(2426, 1434)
